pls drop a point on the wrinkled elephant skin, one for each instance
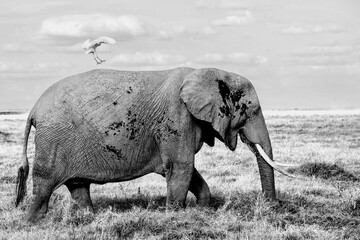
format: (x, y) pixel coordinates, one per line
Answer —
(108, 126)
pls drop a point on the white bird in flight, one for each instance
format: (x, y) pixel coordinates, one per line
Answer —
(90, 46)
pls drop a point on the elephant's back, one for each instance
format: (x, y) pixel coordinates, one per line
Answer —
(101, 82)
(97, 96)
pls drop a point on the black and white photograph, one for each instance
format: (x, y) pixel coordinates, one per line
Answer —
(193, 119)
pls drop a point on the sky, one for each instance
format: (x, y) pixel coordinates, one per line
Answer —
(298, 54)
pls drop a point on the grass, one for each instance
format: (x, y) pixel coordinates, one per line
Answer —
(323, 204)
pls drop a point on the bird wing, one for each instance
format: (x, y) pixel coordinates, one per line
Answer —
(106, 40)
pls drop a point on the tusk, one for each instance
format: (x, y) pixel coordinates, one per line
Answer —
(286, 164)
(271, 162)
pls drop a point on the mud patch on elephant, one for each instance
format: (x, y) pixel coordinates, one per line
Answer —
(131, 126)
(171, 130)
(114, 150)
(224, 90)
(129, 90)
(225, 111)
(227, 96)
(160, 119)
(236, 96)
(243, 109)
(114, 128)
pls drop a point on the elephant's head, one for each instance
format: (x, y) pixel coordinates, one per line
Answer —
(230, 103)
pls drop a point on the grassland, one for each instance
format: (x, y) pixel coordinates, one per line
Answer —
(323, 204)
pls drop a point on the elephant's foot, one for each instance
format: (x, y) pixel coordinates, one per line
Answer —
(200, 189)
(38, 209)
(81, 195)
(172, 205)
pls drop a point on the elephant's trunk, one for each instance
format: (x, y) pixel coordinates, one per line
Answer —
(266, 171)
(255, 132)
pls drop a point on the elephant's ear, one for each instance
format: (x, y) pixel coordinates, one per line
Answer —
(204, 92)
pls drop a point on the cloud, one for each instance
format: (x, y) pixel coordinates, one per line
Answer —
(65, 29)
(15, 68)
(173, 32)
(201, 29)
(209, 30)
(147, 59)
(75, 48)
(226, 4)
(311, 29)
(93, 25)
(317, 61)
(242, 17)
(210, 58)
(36, 6)
(19, 48)
(328, 50)
(232, 58)
(186, 31)
(323, 56)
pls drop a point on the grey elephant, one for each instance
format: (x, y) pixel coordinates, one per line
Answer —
(109, 126)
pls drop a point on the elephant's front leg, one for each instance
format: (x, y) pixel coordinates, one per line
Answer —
(177, 143)
(81, 194)
(178, 177)
(200, 189)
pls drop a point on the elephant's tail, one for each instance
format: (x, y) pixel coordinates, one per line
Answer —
(23, 171)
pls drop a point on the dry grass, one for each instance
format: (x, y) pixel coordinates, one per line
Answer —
(325, 204)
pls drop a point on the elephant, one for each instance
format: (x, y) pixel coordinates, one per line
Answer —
(109, 126)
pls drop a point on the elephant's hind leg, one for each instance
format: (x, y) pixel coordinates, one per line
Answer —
(42, 191)
(200, 189)
(81, 194)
